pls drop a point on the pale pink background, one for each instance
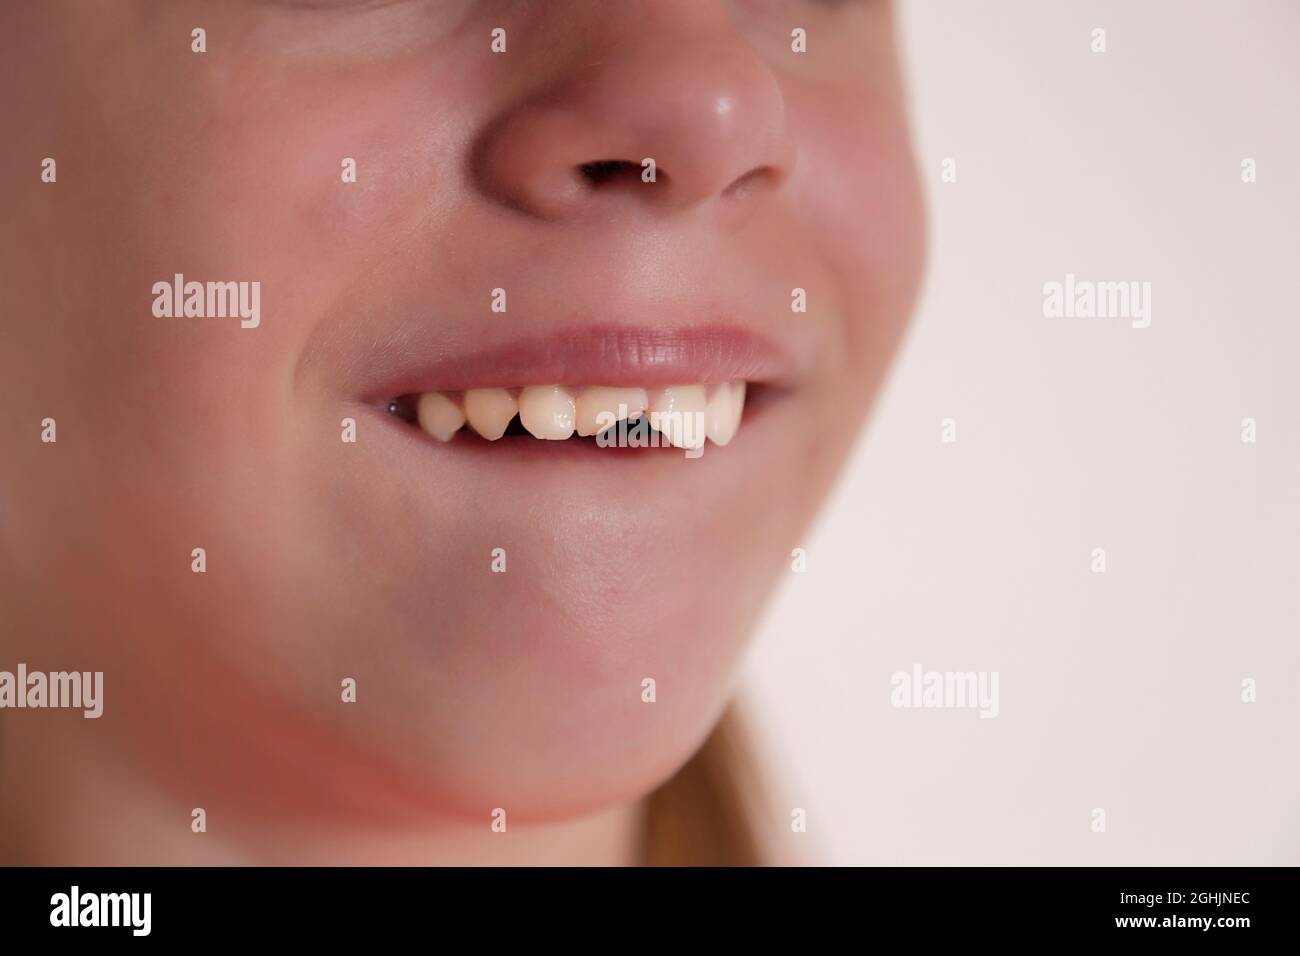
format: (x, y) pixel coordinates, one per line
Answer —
(1120, 690)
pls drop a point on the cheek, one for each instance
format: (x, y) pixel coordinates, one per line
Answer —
(229, 178)
(237, 172)
(858, 184)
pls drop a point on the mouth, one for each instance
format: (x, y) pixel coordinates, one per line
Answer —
(677, 416)
(524, 392)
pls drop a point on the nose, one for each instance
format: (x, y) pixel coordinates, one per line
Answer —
(661, 122)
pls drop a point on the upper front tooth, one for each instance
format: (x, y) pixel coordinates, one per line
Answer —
(439, 415)
(489, 411)
(722, 417)
(678, 413)
(547, 411)
(599, 398)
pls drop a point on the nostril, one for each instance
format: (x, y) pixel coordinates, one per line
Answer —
(610, 172)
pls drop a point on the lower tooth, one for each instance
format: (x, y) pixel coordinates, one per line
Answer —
(439, 415)
(547, 411)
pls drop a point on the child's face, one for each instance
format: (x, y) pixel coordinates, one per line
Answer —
(375, 559)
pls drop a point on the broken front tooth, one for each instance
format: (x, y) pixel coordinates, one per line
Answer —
(598, 399)
(547, 411)
(723, 415)
(489, 411)
(677, 412)
(439, 415)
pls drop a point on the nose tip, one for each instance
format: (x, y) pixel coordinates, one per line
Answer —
(663, 133)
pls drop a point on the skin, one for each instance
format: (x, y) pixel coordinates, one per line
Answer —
(371, 560)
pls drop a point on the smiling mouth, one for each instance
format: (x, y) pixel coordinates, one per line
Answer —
(570, 387)
(681, 416)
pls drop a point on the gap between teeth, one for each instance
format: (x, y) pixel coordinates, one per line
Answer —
(684, 414)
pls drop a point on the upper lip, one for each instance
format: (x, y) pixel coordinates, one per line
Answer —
(424, 359)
